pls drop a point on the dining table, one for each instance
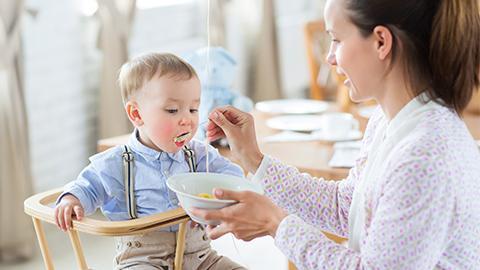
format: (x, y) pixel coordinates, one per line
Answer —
(310, 156)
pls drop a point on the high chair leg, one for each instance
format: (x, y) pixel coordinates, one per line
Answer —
(180, 249)
(42, 242)
(77, 248)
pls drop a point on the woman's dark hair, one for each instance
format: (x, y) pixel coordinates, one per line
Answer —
(439, 40)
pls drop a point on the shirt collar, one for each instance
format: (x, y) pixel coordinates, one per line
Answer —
(152, 154)
(410, 112)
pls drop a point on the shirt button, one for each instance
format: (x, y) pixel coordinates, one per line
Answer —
(205, 237)
(129, 244)
(137, 244)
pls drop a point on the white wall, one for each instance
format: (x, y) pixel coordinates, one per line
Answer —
(291, 17)
(61, 70)
(61, 111)
(173, 28)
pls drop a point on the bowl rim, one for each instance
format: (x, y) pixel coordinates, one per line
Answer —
(205, 199)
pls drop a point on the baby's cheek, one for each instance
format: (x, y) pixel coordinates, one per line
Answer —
(162, 131)
(167, 129)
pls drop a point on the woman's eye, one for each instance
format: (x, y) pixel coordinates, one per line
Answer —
(171, 110)
(193, 110)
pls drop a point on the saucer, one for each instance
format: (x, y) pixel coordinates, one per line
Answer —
(292, 106)
(303, 123)
(350, 136)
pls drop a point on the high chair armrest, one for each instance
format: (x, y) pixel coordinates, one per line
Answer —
(38, 206)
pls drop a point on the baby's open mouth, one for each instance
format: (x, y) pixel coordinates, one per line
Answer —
(181, 138)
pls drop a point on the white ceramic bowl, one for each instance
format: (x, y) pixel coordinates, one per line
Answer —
(188, 185)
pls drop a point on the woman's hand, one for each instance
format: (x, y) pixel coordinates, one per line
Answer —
(239, 129)
(253, 216)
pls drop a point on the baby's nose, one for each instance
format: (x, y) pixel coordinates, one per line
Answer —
(185, 120)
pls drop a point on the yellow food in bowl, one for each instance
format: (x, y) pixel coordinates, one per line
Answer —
(205, 195)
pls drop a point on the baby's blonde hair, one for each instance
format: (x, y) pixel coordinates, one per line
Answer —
(139, 70)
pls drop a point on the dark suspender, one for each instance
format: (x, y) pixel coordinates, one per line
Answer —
(190, 157)
(129, 180)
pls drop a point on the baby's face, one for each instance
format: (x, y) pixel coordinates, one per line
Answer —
(169, 111)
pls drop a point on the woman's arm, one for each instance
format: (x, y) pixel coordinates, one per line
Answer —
(409, 229)
(320, 202)
(324, 204)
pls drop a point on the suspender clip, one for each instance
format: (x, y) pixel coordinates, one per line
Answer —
(127, 156)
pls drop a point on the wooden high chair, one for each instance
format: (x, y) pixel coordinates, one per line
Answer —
(324, 80)
(39, 208)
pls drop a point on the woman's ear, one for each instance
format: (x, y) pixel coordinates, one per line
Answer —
(383, 41)
(133, 113)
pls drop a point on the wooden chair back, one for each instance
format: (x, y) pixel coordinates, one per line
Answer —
(325, 82)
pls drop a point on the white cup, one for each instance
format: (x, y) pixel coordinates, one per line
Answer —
(338, 125)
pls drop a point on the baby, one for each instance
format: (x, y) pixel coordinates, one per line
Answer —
(161, 95)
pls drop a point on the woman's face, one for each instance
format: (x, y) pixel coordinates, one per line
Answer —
(353, 55)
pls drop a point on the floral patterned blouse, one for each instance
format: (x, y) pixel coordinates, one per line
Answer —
(422, 210)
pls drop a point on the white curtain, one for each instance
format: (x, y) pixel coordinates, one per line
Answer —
(251, 36)
(265, 78)
(116, 19)
(16, 234)
(217, 23)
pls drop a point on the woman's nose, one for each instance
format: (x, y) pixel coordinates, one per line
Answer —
(331, 57)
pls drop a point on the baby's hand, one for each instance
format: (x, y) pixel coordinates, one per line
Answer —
(64, 210)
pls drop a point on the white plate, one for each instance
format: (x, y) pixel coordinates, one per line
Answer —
(350, 136)
(292, 106)
(303, 123)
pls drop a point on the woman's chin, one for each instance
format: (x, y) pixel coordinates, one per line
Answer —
(353, 95)
(356, 97)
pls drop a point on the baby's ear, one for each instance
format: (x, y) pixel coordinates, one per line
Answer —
(131, 108)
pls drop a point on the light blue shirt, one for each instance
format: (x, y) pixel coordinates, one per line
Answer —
(101, 183)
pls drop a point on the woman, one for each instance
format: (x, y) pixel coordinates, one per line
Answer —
(411, 200)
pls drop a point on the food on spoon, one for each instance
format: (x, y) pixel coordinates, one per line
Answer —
(181, 138)
(205, 195)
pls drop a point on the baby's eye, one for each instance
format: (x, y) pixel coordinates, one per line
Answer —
(171, 110)
(193, 110)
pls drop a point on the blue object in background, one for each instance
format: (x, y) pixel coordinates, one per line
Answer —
(217, 90)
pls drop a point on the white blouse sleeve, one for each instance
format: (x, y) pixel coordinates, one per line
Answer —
(408, 231)
(316, 201)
